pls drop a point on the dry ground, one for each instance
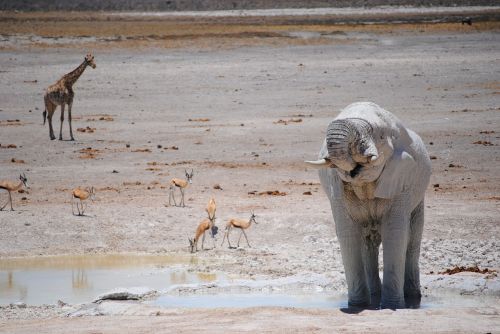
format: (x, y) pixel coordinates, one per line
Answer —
(228, 106)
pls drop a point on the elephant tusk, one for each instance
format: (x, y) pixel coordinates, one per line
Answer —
(319, 163)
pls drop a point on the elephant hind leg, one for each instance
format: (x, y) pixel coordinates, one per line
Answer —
(412, 275)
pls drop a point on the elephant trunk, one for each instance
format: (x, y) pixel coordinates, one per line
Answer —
(347, 138)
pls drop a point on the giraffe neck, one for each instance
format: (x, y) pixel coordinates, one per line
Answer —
(72, 76)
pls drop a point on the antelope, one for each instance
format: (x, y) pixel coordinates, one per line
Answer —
(210, 209)
(206, 224)
(182, 185)
(11, 186)
(242, 225)
(82, 195)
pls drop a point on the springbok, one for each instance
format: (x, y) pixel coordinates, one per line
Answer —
(11, 186)
(82, 195)
(206, 224)
(182, 185)
(242, 225)
(210, 209)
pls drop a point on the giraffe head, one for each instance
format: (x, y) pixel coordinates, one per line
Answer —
(89, 58)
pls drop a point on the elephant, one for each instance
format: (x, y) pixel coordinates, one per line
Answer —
(375, 172)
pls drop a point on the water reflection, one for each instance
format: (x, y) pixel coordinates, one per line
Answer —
(79, 279)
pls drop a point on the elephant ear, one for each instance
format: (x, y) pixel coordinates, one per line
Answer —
(398, 172)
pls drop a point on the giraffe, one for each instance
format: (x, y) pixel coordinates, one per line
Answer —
(61, 93)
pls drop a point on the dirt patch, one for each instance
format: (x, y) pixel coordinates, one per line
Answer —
(271, 193)
(199, 120)
(484, 143)
(462, 269)
(88, 129)
(8, 146)
(288, 121)
(142, 150)
(11, 122)
(89, 153)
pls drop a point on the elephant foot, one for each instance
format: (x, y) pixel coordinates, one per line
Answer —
(355, 309)
(412, 300)
(392, 304)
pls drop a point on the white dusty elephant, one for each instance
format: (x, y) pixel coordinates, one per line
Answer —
(375, 173)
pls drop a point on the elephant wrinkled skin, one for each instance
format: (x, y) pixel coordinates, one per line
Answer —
(375, 173)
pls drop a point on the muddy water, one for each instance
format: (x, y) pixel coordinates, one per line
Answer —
(80, 279)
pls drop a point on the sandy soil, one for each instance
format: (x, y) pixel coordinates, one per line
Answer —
(226, 113)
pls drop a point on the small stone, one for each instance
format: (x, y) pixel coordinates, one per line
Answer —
(18, 305)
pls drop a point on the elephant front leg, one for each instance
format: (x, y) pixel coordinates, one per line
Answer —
(372, 269)
(351, 248)
(395, 229)
(412, 273)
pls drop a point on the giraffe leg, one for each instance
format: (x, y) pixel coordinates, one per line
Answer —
(62, 120)
(70, 104)
(49, 109)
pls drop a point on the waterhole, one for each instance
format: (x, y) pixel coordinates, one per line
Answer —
(81, 278)
(313, 300)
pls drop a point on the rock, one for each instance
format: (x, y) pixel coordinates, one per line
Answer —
(18, 305)
(134, 293)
